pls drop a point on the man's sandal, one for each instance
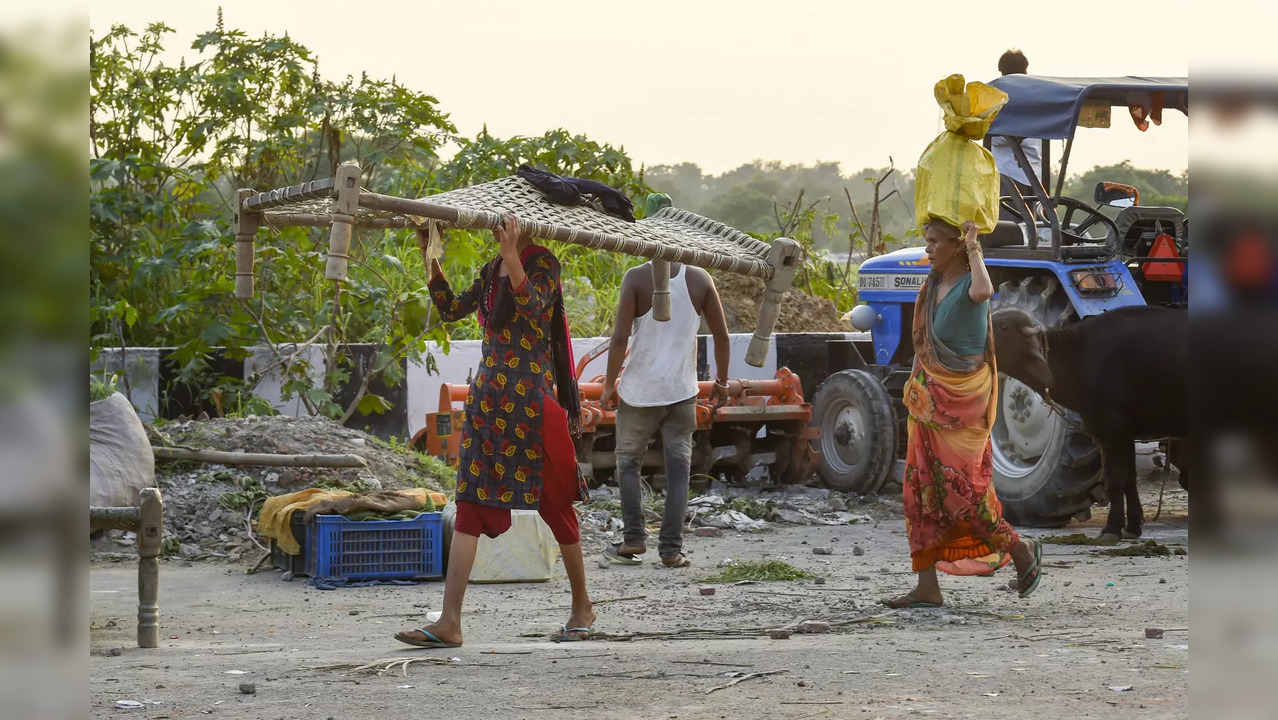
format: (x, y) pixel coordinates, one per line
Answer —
(624, 554)
(430, 642)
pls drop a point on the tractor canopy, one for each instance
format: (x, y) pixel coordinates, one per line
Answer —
(1049, 108)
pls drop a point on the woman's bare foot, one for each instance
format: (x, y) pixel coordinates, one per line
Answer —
(446, 632)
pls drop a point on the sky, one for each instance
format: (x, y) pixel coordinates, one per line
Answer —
(717, 83)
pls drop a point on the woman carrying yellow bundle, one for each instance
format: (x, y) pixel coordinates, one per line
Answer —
(952, 515)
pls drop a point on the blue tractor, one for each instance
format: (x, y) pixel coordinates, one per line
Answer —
(1056, 257)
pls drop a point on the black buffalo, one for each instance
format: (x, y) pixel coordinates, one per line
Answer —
(1126, 372)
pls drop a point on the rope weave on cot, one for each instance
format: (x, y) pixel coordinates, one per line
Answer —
(670, 233)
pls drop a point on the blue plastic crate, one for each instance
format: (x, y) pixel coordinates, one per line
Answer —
(341, 549)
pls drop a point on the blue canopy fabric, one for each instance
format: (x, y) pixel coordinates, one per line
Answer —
(1048, 107)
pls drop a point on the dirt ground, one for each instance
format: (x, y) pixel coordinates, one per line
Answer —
(1076, 648)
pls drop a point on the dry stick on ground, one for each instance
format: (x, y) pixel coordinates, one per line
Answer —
(774, 592)
(743, 678)
(650, 675)
(385, 665)
(260, 563)
(708, 662)
(248, 527)
(740, 633)
(609, 600)
(270, 459)
(1161, 489)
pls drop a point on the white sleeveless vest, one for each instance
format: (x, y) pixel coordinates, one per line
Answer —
(662, 367)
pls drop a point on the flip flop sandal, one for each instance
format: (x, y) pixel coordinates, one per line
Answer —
(614, 555)
(1038, 560)
(678, 561)
(912, 604)
(564, 636)
(433, 642)
(1038, 572)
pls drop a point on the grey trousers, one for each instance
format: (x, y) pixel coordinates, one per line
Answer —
(635, 428)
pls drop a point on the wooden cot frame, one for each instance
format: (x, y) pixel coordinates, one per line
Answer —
(347, 197)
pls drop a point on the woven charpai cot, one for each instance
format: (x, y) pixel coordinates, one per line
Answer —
(668, 235)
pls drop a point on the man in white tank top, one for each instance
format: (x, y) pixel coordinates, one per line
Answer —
(658, 392)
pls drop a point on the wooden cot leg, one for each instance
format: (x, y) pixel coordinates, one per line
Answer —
(150, 531)
(344, 207)
(661, 290)
(660, 268)
(246, 224)
(784, 259)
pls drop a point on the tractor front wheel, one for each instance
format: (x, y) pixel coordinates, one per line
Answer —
(858, 431)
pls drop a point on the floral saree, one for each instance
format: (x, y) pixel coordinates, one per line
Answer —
(952, 516)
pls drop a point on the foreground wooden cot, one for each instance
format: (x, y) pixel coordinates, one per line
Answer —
(147, 520)
(669, 235)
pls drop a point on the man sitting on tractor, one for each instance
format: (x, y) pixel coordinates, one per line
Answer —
(1014, 62)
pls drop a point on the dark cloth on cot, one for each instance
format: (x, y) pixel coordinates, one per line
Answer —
(570, 191)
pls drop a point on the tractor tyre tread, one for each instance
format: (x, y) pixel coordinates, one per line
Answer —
(860, 388)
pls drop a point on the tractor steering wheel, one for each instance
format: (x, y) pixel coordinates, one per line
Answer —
(1076, 234)
(1009, 204)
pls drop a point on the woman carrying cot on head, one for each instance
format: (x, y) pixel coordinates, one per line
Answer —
(516, 449)
(952, 516)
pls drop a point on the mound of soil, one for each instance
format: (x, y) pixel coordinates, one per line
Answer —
(207, 507)
(800, 312)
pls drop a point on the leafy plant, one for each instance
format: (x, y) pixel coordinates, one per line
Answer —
(774, 570)
(752, 508)
(102, 387)
(170, 546)
(248, 491)
(171, 144)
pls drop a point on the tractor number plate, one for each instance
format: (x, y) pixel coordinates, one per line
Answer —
(443, 425)
(896, 281)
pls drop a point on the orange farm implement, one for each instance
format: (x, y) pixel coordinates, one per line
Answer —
(765, 423)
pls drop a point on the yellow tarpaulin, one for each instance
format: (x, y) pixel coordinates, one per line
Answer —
(956, 179)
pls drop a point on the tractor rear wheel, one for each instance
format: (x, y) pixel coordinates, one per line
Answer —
(1047, 471)
(858, 431)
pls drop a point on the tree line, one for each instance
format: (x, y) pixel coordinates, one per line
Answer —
(170, 144)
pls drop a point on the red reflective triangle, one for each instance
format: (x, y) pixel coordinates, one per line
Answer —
(1164, 246)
